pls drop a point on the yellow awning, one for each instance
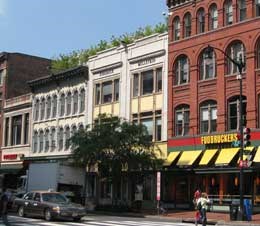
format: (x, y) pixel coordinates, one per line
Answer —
(171, 157)
(188, 158)
(207, 156)
(257, 155)
(246, 154)
(226, 156)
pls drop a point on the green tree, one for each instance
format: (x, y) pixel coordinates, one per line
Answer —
(113, 144)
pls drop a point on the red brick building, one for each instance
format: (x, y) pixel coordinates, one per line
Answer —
(203, 99)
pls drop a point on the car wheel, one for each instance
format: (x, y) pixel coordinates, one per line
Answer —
(76, 219)
(47, 215)
(21, 211)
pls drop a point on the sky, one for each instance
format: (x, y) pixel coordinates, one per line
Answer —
(48, 28)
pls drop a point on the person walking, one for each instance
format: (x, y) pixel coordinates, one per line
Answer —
(4, 202)
(197, 195)
(202, 204)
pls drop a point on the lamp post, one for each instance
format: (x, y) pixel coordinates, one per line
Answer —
(240, 65)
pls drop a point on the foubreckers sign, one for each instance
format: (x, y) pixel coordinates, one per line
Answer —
(217, 139)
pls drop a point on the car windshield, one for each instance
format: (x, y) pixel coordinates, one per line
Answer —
(54, 197)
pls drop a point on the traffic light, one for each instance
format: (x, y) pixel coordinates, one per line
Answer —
(246, 137)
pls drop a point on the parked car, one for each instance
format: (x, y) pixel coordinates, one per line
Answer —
(49, 205)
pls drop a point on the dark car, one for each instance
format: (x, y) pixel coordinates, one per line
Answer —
(49, 205)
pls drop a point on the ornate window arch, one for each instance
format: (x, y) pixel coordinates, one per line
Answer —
(37, 109)
(54, 106)
(201, 21)
(75, 101)
(61, 138)
(182, 120)
(53, 138)
(228, 12)
(187, 25)
(213, 17)
(62, 104)
(208, 117)
(41, 141)
(207, 64)
(67, 137)
(68, 103)
(48, 107)
(47, 140)
(176, 28)
(35, 141)
(42, 108)
(257, 7)
(82, 100)
(241, 10)
(181, 70)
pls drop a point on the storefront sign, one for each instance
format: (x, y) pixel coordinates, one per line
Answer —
(158, 195)
(10, 157)
(217, 139)
(146, 61)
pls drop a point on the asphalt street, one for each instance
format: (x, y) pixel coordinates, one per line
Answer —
(13, 220)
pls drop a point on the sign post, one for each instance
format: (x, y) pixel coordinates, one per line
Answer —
(158, 191)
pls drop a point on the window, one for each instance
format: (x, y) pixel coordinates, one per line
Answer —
(136, 85)
(181, 70)
(116, 90)
(81, 127)
(233, 113)
(176, 29)
(1, 103)
(16, 130)
(200, 21)
(48, 106)
(54, 106)
(208, 117)
(74, 130)
(187, 25)
(148, 123)
(67, 137)
(241, 10)
(228, 8)
(75, 102)
(26, 128)
(7, 131)
(61, 134)
(62, 104)
(68, 110)
(41, 141)
(107, 92)
(53, 139)
(35, 141)
(257, 7)
(37, 109)
(1, 76)
(158, 79)
(46, 139)
(97, 94)
(207, 67)
(182, 120)
(158, 128)
(147, 82)
(258, 53)
(42, 109)
(82, 101)
(213, 17)
(237, 52)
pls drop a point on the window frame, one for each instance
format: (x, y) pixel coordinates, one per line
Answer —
(187, 25)
(204, 65)
(201, 21)
(228, 12)
(68, 103)
(62, 105)
(242, 14)
(213, 17)
(176, 28)
(184, 111)
(209, 107)
(179, 70)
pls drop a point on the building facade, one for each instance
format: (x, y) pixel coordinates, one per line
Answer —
(203, 100)
(130, 81)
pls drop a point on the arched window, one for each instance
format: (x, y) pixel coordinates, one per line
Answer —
(68, 104)
(41, 141)
(257, 7)
(213, 17)
(74, 129)
(207, 65)
(37, 109)
(228, 9)
(60, 137)
(181, 70)
(187, 25)
(54, 106)
(208, 117)
(35, 141)
(233, 112)
(200, 21)
(182, 120)
(81, 127)
(82, 101)
(176, 28)
(258, 54)
(42, 109)
(53, 139)
(241, 10)
(67, 137)
(237, 52)
(47, 142)
(75, 102)
(62, 104)
(48, 106)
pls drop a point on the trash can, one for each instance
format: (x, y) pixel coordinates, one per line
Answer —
(248, 209)
(233, 212)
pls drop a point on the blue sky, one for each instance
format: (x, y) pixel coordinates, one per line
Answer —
(49, 27)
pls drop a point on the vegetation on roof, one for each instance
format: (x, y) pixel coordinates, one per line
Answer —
(78, 57)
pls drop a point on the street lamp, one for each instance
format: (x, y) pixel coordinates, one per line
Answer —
(240, 65)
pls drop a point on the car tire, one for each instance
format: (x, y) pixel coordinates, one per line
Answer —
(47, 215)
(21, 211)
(76, 219)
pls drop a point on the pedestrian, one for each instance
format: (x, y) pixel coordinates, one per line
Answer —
(202, 204)
(4, 201)
(196, 197)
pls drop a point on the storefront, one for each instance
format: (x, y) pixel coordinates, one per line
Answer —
(211, 163)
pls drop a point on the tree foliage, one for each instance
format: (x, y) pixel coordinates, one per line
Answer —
(77, 57)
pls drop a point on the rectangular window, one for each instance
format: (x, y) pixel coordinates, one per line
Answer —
(158, 129)
(16, 130)
(229, 13)
(242, 10)
(54, 107)
(107, 92)
(1, 77)
(116, 90)
(257, 8)
(204, 120)
(26, 128)
(6, 131)
(182, 122)
(147, 82)
(41, 141)
(42, 109)
(136, 85)
(158, 79)
(213, 116)
(97, 94)
(148, 122)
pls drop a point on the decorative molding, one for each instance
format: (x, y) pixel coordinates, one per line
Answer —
(147, 56)
(107, 68)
